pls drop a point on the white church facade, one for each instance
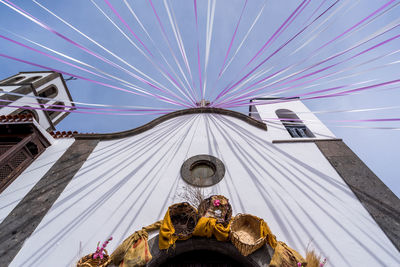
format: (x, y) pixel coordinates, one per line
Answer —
(79, 188)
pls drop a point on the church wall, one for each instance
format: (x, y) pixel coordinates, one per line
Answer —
(128, 183)
(376, 197)
(24, 219)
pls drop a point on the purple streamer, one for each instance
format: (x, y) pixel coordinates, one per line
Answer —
(315, 11)
(280, 48)
(295, 98)
(94, 81)
(198, 49)
(233, 38)
(290, 22)
(85, 112)
(171, 50)
(259, 51)
(52, 57)
(361, 120)
(88, 108)
(357, 24)
(86, 50)
(145, 47)
(356, 90)
(126, 24)
(342, 34)
(320, 70)
(276, 32)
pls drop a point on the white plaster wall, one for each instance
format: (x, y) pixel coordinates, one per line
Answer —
(129, 183)
(17, 190)
(8, 88)
(276, 129)
(61, 96)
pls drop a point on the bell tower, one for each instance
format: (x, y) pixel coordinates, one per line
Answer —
(23, 90)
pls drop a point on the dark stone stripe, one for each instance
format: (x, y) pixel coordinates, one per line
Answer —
(305, 140)
(376, 197)
(27, 215)
(153, 123)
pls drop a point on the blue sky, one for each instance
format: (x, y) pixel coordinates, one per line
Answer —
(378, 148)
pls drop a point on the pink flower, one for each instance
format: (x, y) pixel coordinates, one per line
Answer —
(217, 202)
(99, 251)
(299, 264)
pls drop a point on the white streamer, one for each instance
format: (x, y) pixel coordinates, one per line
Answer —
(141, 51)
(244, 38)
(178, 37)
(210, 25)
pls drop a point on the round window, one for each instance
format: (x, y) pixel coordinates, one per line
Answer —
(203, 170)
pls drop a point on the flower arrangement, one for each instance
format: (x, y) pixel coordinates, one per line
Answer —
(313, 260)
(100, 250)
(217, 203)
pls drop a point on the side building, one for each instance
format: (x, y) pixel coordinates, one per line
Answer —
(30, 108)
(48, 85)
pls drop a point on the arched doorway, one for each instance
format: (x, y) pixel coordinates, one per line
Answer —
(206, 252)
(201, 258)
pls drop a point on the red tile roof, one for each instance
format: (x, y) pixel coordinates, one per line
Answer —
(63, 134)
(16, 118)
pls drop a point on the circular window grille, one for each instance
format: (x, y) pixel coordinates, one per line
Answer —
(203, 170)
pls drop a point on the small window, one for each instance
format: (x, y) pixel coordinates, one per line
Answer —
(49, 92)
(31, 79)
(203, 170)
(293, 124)
(14, 80)
(56, 106)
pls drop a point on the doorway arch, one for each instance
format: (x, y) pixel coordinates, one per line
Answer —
(198, 248)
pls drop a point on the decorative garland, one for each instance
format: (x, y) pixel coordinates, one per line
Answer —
(247, 233)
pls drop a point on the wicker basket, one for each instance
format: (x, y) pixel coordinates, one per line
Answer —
(222, 212)
(245, 233)
(88, 261)
(184, 219)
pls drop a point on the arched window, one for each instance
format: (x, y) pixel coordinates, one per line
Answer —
(53, 113)
(31, 112)
(49, 92)
(27, 111)
(14, 80)
(293, 124)
(31, 79)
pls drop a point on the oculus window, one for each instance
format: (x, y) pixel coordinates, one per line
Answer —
(203, 170)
